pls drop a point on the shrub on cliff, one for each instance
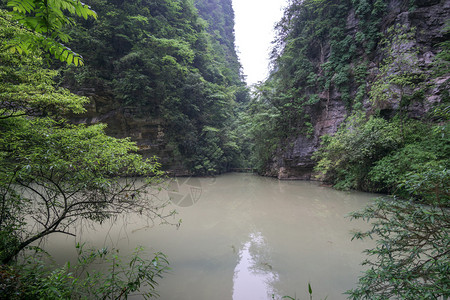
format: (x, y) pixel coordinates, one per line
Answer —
(347, 157)
(409, 159)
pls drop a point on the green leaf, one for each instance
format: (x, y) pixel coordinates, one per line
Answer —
(69, 59)
(49, 19)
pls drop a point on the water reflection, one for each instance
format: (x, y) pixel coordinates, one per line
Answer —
(254, 276)
(245, 237)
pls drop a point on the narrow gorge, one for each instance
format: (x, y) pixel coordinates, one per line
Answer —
(119, 116)
(182, 97)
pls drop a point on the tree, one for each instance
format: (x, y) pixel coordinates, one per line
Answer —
(157, 59)
(47, 19)
(412, 257)
(52, 176)
(347, 157)
(53, 173)
(26, 88)
(36, 279)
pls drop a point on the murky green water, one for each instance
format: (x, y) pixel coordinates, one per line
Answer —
(246, 237)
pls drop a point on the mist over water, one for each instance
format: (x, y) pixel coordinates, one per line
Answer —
(245, 237)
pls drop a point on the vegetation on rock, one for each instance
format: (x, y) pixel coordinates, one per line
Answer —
(158, 59)
(363, 92)
(370, 78)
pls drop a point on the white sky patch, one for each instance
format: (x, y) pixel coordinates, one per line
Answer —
(254, 23)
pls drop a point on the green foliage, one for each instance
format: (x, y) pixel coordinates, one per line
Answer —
(35, 279)
(403, 157)
(401, 171)
(409, 159)
(259, 124)
(59, 173)
(399, 73)
(387, 156)
(220, 19)
(412, 258)
(47, 19)
(29, 89)
(53, 173)
(347, 157)
(316, 57)
(161, 58)
(441, 64)
(314, 40)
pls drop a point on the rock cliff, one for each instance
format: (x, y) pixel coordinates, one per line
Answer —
(293, 160)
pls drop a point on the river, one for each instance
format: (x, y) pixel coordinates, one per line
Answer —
(245, 237)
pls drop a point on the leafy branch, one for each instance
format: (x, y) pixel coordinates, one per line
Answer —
(47, 19)
(412, 257)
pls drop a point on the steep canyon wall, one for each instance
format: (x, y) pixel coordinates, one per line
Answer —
(164, 73)
(293, 160)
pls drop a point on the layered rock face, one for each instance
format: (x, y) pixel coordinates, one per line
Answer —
(294, 159)
(140, 126)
